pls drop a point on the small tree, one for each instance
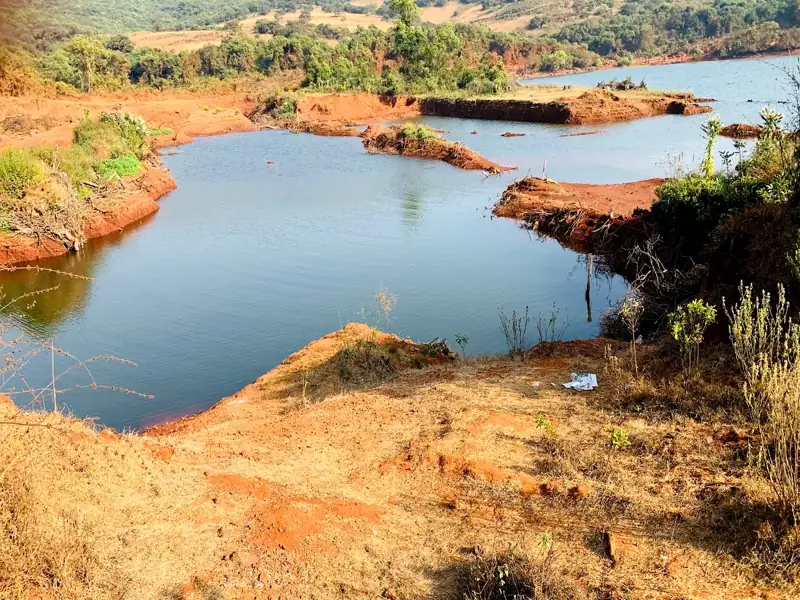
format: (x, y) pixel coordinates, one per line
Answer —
(631, 313)
(405, 11)
(462, 341)
(688, 326)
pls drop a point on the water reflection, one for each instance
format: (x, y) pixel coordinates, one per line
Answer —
(412, 207)
(41, 300)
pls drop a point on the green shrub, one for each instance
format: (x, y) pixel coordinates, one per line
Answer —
(19, 172)
(619, 438)
(74, 161)
(160, 131)
(687, 326)
(420, 133)
(101, 140)
(123, 166)
(691, 207)
(120, 43)
(113, 135)
(132, 128)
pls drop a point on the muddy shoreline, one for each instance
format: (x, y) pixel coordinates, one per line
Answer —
(187, 116)
(582, 217)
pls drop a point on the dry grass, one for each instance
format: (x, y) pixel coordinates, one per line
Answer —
(88, 515)
(513, 575)
(177, 41)
(393, 488)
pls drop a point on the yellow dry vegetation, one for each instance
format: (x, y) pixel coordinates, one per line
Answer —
(176, 41)
(384, 483)
(318, 16)
(454, 12)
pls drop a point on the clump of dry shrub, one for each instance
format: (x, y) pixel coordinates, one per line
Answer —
(513, 575)
(767, 345)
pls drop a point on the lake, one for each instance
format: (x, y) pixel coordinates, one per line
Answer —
(247, 262)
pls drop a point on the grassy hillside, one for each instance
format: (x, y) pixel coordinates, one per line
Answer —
(621, 29)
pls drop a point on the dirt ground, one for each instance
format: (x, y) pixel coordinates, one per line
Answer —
(535, 194)
(187, 114)
(300, 486)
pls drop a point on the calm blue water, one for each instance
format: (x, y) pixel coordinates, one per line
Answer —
(247, 262)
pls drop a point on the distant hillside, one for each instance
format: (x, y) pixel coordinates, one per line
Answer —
(622, 29)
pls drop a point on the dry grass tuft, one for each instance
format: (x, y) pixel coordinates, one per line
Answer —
(512, 575)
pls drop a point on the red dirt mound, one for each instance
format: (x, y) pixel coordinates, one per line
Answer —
(356, 107)
(136, 203)
(534, 194)
(326, 128)
(395, 140)
(593, 106)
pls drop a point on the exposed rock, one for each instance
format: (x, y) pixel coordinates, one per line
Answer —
(578, 492)
(247, 559)
(741, 130)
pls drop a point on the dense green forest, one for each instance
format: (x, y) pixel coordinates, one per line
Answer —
(653, 27)
(412, 57)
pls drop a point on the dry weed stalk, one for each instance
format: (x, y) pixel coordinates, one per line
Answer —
(18, 351)
(767, 345)
(515, 330)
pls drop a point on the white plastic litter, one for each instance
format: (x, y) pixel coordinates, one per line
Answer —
(584, 382)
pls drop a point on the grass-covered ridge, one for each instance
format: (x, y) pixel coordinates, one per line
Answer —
(48, 191)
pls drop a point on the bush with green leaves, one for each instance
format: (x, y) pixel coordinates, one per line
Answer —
(156, 68)
(418, 133)
(619, 439)
(119, 43)
(711, 130)
(159, 131)
(20, 171)
(687, 326)
(121, 166)
(113, 135)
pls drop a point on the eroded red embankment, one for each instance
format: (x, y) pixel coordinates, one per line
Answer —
(534, 194)
(595, 106)
(356, 108)
(136, 204)
(573, 212)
